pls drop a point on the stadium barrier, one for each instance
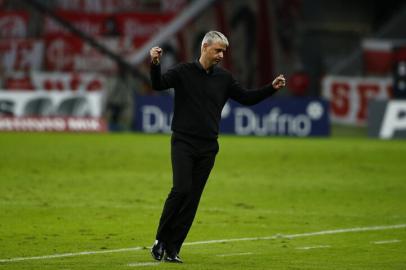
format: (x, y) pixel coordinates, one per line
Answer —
(349, 96)
(273, 117)
(387, 119)
(51, 111)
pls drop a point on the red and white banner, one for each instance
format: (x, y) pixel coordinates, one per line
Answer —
(18, 81)
(48, 104)
(68, 53)
(51, 111)
(58, 124)
(114, 6)
(173, 5)
(141, 26)
(99, 6)
(56, 81)
(13, 24)
(377, 56)
(74, 81)
(349, 96)
(21, 54)
(92, 24)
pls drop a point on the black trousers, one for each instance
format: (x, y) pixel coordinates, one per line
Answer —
(192, 160)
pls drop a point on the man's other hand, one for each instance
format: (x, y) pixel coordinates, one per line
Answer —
(279, 82)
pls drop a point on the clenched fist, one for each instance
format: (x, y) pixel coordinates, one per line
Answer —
(156, 54)
(279, 82)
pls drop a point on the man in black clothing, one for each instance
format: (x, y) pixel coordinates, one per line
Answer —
(201, 90)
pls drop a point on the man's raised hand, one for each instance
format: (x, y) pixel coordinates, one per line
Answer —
(156, 53)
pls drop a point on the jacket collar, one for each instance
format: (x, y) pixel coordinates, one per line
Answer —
(200, 67)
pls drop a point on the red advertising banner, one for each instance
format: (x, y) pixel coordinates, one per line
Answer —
(21, 54)
(90, 23)
(111, 6)
(377, 56)
(349, 96)
(99, 6)
(64, 111)
(13, 24)
(173, 5)
(54, 124)
(68, 53)
(56, 81)
(61, 51)
(138, 26)
(75, 81)
(18, 81)
(141, 26)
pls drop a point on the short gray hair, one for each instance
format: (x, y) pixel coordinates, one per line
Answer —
(214, 36)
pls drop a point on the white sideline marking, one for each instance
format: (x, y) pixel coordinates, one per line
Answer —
(142, 264)
(313, 247)
(234, 254)
(386, 242)
(71, 254)
(358, 229)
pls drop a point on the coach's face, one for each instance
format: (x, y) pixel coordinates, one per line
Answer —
(214, 52)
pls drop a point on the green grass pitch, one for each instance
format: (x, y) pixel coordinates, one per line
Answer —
(72, 193)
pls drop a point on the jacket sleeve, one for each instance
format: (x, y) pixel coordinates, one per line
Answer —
(163, 81)
(249, 96)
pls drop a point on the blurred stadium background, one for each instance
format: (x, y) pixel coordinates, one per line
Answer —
(83, 65)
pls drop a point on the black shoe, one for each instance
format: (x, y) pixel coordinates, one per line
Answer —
(173, 258)
(157, 250)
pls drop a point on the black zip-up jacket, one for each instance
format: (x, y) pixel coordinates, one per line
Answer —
(200, 96)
